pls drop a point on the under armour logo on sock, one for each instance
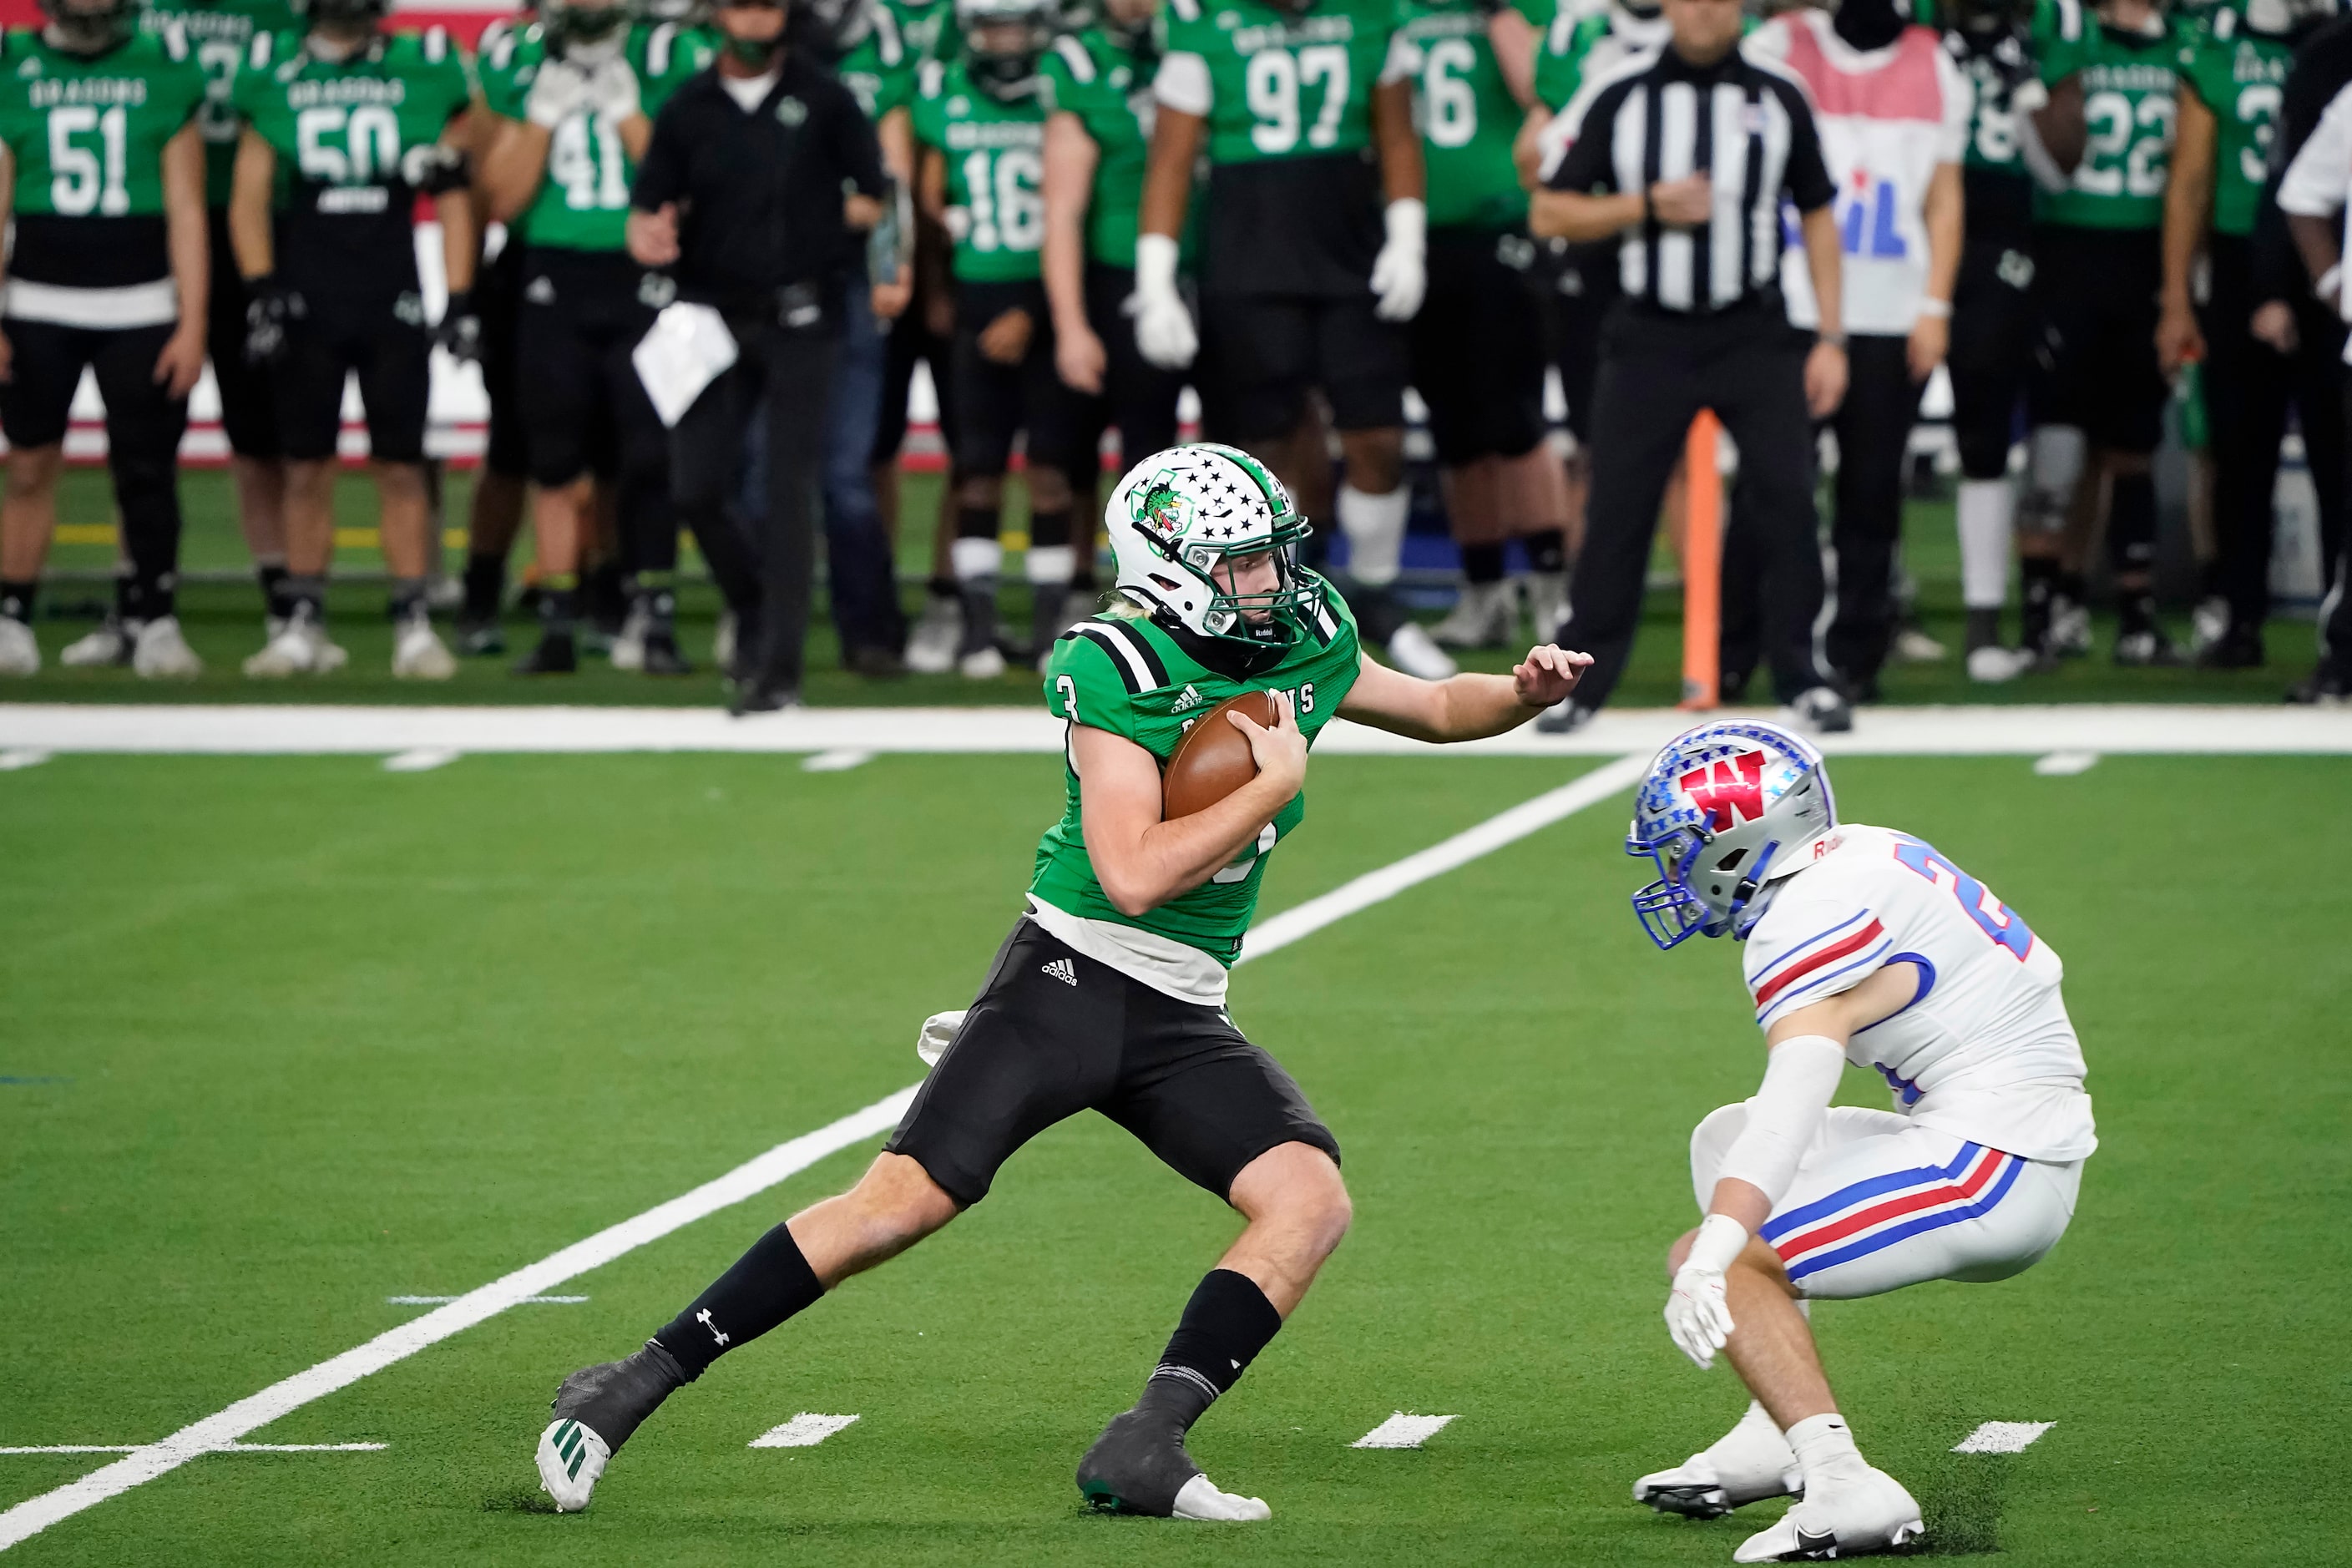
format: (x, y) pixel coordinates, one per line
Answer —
(703, 1317)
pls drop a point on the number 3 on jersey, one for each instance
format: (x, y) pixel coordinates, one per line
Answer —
(1993, 916)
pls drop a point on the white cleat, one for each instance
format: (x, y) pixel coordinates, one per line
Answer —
(1546, 602)
(571, 1458)
(628, 650)
(984, 664)
(1993, 666)
(1913, 645)
(419, 654)
(1201, 1500)
(1485, 615)
(299, 648)
(722, 642)
(1412, 651)
(160, 652)
(1839, 1518)
(931, 646)
(1698, 1489)
(20, 654)
(109, 645)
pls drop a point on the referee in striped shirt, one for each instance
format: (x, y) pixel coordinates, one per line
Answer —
(1683, 155)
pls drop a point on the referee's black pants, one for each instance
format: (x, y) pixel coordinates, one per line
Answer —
(1657, 370)
(787, 371)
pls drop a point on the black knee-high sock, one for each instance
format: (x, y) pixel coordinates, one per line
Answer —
(767, 1284)
(1547, 551)
(17, 599)
(271, 577)
(2131, 522)
(486, 585)
(1225, 1324)
(1482, 563)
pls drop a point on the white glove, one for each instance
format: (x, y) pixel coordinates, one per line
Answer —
(939, 1028)
(557, 93)
(1163, 327)
(1400, 271)
(1698, 1314)
(612, 92)
(957, 221)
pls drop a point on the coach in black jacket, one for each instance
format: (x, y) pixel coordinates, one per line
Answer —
(742, 191)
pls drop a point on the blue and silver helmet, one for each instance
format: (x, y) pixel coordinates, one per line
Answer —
(1726, 809)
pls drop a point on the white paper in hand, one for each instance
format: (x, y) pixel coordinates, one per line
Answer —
(687, 349)
(937, 1030)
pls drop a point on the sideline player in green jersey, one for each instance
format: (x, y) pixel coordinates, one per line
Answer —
(2111, 77)
(2229, 97)
(574, 94)
(1478, 340)
(219, 33)
(345, 127)
(1313, 257)
(981, 127)
(104, 178)
(1110, 993)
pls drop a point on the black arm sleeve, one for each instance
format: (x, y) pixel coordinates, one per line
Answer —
(661, 177)
(856, 146)
(1587, 166)
(2322, 68)
(1807, 176)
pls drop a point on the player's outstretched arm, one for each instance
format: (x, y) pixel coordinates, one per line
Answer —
(1142, 861)
(1465, 707)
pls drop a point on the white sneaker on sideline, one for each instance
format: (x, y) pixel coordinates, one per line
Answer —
(1485, 615)
(931, 646)
(419, 654)
(1992, 664)
(1839, 1518)
(1913, 645)
(628, 650)
(571, 1458)
(2070, 628)
(1411, 651)
(1201, 1500)
(1820, 710)
(722, 642)
(160, 652)
(983, 664)
(300, 648)
(109, 643)
(20, 651)
(2209, 623)
(1546, 602)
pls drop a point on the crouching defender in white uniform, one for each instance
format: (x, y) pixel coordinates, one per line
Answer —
(1863, 946)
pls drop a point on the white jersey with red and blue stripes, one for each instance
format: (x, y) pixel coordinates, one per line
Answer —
(1984, 1050)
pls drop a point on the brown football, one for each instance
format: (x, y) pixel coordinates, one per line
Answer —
(1214, 758)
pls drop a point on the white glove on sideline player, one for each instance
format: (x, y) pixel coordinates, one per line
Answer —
(1400, 271)
(1163, 327)
(612, 92)
(557, 93)
(1698, 1313)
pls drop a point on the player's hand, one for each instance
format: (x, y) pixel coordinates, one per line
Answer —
(1548, 674)
(1824, 380)
(460, 331)
(612, 92)
(1280, 753)
(1698, 1313)
(1163, 327)
(1400, 271)
(1079, 357)
(2273, 323)
(1683, 204)
(1005, 340)
(434, 168)
(557, 93)
(1931, 339)
(181, 363)
(270, 315)
(652, 236)
(2178, 341)
(890, 298)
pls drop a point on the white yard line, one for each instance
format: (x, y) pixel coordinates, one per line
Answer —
(421, 758)
(2003, 1437)
(803, 1431)
(2066, 764)
(1403, 1431)
(1961, 730)
(221, 1432)
(438, 1300)
(16, 757)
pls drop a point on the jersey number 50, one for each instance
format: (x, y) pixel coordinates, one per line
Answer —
(1993, 916)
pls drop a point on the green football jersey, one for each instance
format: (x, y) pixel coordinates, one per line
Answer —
(927, 28)
(220, 34)
(2241, 76)
(1281, 83)
(1467, 116)
(1129, 677)
(86, 134)
(2130, 86)
(1108, 85)
(584, 200)
(1578, 40)
(340, 127)
(995, 154)
(880, 72)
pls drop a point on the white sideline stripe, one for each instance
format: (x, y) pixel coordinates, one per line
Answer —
(421, 758)
(2003, 1437)
(2066, 764)
(840, 760)
(16, 757)
(1403, 1431)
(228, 1448)
(2117, 729)
(437, 1300)
(218, 1431)
(803, 1431)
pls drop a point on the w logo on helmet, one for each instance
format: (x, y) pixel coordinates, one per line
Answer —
(1730, 791)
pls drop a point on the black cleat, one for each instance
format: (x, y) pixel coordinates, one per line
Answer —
(662, 655)
(597, 1409)
(556, 654)
(480, 638)
(1137, 1466)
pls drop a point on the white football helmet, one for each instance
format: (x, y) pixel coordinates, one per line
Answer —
(1180, 513)
(1727, 809)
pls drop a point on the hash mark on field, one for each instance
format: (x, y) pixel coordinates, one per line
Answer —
(840, 760)
(2066, 764)
(803, 1431)
(440, 1301)
(1403, 1431)
(16, 757)
(2002, 1437)
(421, 758)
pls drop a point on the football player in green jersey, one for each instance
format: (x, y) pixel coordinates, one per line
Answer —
(104, 179)
(345, 127)
(981, 127)
(2113, 76)
(1313, 255)
(1110, 993)
(1478, 340)
(574, 94)
(2230, 97)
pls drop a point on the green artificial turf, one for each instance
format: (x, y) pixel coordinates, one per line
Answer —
(285, 1036)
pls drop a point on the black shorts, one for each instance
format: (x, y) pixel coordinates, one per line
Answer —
(1585, 284)
(46, 364)
(1054, 1032)
(582, 409)
(2097, 293)
(498, 301)
(1261, 354)
(393, 358)
(1993, 351)
(1478, 347)
(249, 414)
(911, 342)
(996, 401)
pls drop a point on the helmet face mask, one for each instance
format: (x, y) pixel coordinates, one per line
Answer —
(89, 29)
(1002, 42)
(1183, 522)
(1727, 809)
(570, 23)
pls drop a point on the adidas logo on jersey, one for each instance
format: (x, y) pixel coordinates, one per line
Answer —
(1188, 698)
(1062, 970)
